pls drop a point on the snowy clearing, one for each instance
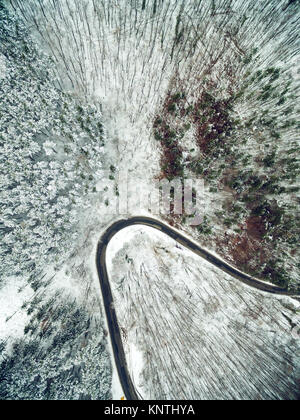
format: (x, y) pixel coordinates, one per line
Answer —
(200, 333)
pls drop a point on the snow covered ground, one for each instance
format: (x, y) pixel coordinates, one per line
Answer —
(13, 318)
(192, 332)
(113, 69)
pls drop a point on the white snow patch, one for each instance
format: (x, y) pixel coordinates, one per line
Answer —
(3, 66)
(13, 318)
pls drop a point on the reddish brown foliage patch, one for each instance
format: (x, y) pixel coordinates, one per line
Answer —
(171, 161)
(247, 253)
(172, 156)
(247, 249)
(256, 228)
(212, 120)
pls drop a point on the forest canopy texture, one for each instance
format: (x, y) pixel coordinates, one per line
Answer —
(167, 89)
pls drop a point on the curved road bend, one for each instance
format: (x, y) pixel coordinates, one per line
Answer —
(112, 321)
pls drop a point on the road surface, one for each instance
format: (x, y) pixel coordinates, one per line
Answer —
(114, 329)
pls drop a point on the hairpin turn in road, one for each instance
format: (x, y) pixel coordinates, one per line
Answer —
(114, 329)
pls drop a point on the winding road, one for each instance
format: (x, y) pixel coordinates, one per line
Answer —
(114, 329)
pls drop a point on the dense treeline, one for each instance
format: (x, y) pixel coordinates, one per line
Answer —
(214, 85)
(233, 58)
(52, 145)
(61, 357)
(51, 148)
